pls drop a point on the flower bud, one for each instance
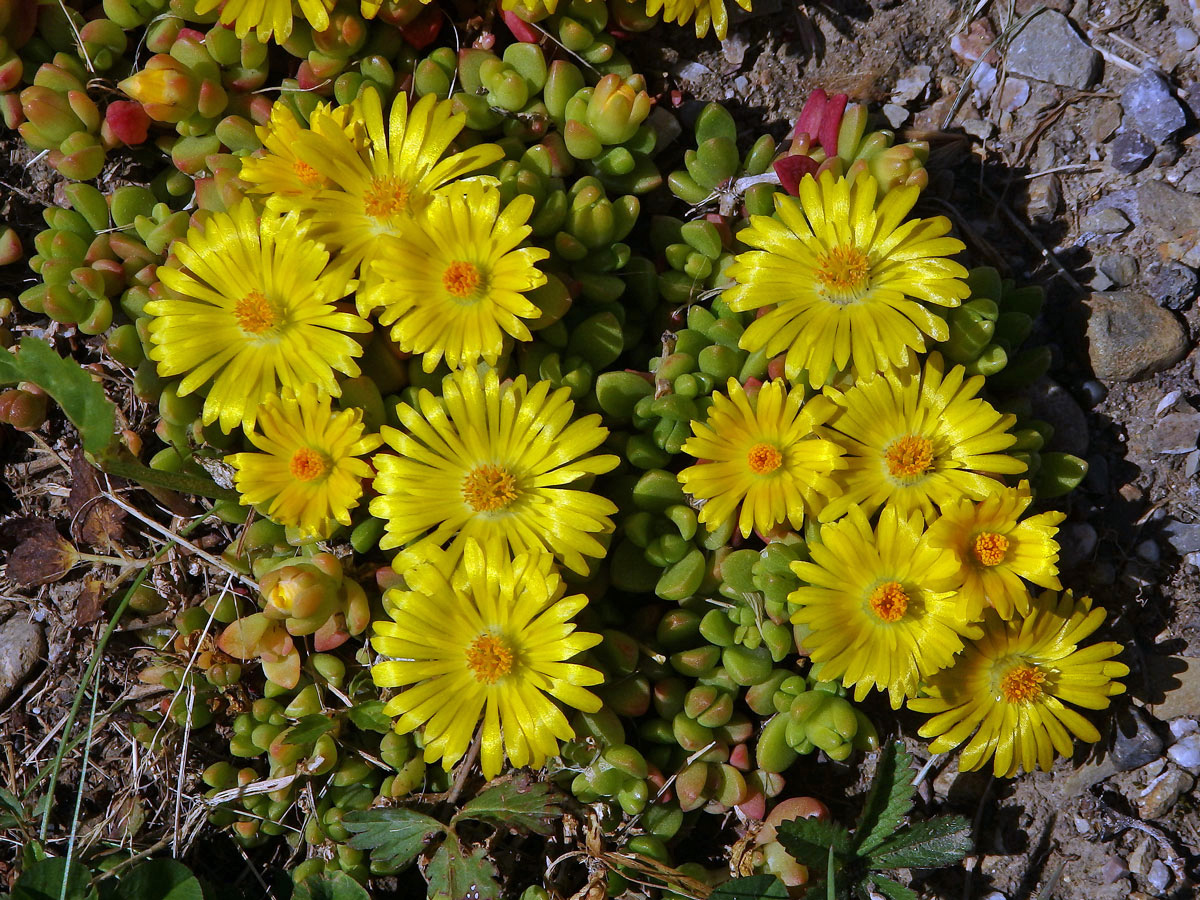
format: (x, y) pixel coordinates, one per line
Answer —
(166, 88)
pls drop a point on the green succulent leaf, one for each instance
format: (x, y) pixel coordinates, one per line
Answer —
(893, 890)
(330, 886)
(888, 801)
(517, 802)
(309, 729)
(753, 887)
(809, 841)
(454, 873)
(394, 836)
(159, 879)
(938, 842)
(82, 400)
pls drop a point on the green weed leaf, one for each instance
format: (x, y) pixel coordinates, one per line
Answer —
(455, 873)
(939, 842)
(159, 879)
(394, 836)
(82, 400)
(308, 729)
(893, 890)
(753, 887)
(515, 802)
(809, 841)
(53, 879)
(888, 801)
(369, 716)
(330, 886)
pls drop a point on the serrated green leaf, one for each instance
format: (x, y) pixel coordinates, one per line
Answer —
(455, 873)
(82, 400)
(888, 801)
(752, 887)
(893, 890)
(517, 801)
(394, 836)
(159, 879)
(308, 729)
(330, 886)
(53, 879)
(925, 845)
(809, 841)
(369, 716)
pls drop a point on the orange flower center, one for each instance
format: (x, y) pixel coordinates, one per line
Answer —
(489, 488)
(764, 459)
(990, 548)
(254, 313)
(489, 659)
(461, 279)
(1022, 683)
(386, 197)
(308, 465)
(889, 602)
(909, 456)
(844, 272)
(306, 173)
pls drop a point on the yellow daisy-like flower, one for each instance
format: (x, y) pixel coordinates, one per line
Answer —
(847, 278)
(276, 170)
(1010, 688)
(251, 311)
(761, 451)
(995, 551)
(490, 641)
(916, 439)
(268, 17)
(876, 605)
(455, 286)
(379, 190)
(494, 461)
(704, 12)
(308, 475)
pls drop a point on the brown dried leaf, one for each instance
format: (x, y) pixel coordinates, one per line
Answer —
(43, 557)
(96, 522)
(90, 603)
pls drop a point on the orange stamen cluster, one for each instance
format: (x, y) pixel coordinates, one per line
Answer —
(254, 313)
(489, 488)
(990, 548)
(908, 457)
(889, 602)
(489, 659)
(764, 459)
(461, 279)
(1022, 683)
(308, 464)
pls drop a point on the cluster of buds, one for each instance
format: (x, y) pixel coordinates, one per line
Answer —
(579, 26)
(61, 119)
(100, 252)
(755, 618)
(810, 717)
(715, 164)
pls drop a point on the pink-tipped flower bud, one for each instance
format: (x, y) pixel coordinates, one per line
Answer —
(125, 122)
(167, 89)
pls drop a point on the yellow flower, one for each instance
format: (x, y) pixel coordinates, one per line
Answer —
(994, 551)
(457, 285)
(381, 188)
(530, 10)
(307, 475)
(761, 451)
(1013, 684)
(847, 280)
(494, 461)
(914, 440)
(876, 605)
(251, 311)
(276, 170)
(490, 641)
(705, 12)
(268, 17)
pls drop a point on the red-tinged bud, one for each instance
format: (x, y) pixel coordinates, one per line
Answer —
(80, 157)
(424, 30)
(521, 29)
(792, 169)
(23, 409)
(18, 21)
(777, 366)
(212, 99)
(161, 35)
(399, 12)
(85, 108)
(345, 35)
(49, 119)
(10, 110)
(310, 81)
(127, 122)
(113, 275)
(166, 88)
(11, 67)
(10, 246)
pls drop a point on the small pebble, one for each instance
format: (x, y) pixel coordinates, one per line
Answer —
(1082, 825)
(1130, 152)
(1148, 550)
(1159, 875)
(1077, 540)
(1102, 572)
(1114, 867)
(1093, 391)
(1182, 727)
(895, 114)
(1185, 39)
(1136, 742)
(1161, 795)
(1186, 752)
(1105, 221)
(993, 895)
(1122, 268)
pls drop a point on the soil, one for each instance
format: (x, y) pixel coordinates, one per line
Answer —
(1017, 182)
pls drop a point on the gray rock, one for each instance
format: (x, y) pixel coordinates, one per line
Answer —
(1184, 537)
(1053, 404)
(1130, 152)
(1136, 743)
(1114, 867)
(1077, 540)
(1172, 284)
(1151, 108)
(895, 114)
(22, 644)
(912, 84)
(1175, 433)
(1185, 753)
(1049, 48)
(1043, 199)
(1159, 876)
(1102, 572)
(1148, 551)
(1122, 268)
(1094, 391)
(1173, 218)
(1131, 337)
(1105, 221)
(1185, 39)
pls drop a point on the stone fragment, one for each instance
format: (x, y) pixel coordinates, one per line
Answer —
(912, 84)
(1159, 876)
(22, 644)
(1105, 120)
(1172, 217)
(1052, 403)
(1185, 38)
(1105, 221)
(895, 114)
(1121, 268)
(1183, 536)
(1175, 433)
(1049, 49)
(1043, 199)
(1076, 541)
(1131, 337)
(1163, 793)
(1151, 108)
(1136, 743)
(1172, 284)
(1185, 753)
(1130, 152)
